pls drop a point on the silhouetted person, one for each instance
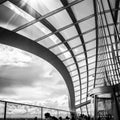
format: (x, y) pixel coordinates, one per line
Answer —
(35, 118)
(48, 116)
(60, 118)
(72, 116)
(99, 118)
(67, 118)
(54, 118)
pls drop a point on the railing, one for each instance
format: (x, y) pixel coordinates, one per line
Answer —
(18, 111)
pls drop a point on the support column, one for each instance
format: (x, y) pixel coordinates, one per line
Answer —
(116, 106)
(95, 107)
(58, 114)
(5, 110)
(41, 113)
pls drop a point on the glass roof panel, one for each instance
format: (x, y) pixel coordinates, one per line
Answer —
(118, 20)
(84, 90)
(83, 100)
(92, 59)
(83, 86)
(44, 6)
(60, 19)
(77, 93)
(91, 52)
(77, 102)
(91, 72)
(13, 16)
(109, 18)
(91, 45)
(105, 4)
(72, 67)
(34, 31)
(69, 32)
(65, 55)
(69, 1)
(82, 63)
(89, 36)
(91, 65)
(91, 82)
(84, 95)
(76, 83)
(69, 62)
(75, 42)
(83, 69)
(92, 75)
(83, 75)
(50, 41)
(87, 24)
(74, 73)
(75, 78)
(77, 88)
(59, 49)
(84, 80)
(77, 98)
(78, 50)
(80, 57)
(83, 9)
(90, 87)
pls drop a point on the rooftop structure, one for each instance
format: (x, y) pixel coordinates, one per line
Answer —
(78, 37)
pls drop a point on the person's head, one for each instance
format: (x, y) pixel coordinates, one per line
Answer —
(60, 118)
(35, 118)
(47, 115)
(67, 118)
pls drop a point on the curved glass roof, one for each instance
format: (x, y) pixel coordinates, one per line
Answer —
(83, 34)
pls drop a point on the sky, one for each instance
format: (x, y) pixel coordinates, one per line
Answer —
(27, 78)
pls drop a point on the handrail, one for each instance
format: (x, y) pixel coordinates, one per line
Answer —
(33, 105)
(6, 115)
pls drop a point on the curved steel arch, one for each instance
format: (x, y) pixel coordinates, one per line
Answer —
(73, 18)
(26, 44)
(45, 22)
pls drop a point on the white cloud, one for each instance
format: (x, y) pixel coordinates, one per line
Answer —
(37, 83)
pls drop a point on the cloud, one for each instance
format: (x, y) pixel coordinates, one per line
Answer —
(38, 83)
(17, 77)
(14, 76)
(35, 79)
(60, 102)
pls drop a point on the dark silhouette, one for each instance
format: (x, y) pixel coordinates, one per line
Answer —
(54, 118)
(67, 118)
(60, 118)
(48, 116)
(35, 118)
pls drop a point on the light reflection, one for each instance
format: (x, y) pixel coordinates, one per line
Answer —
(42, 6)
(67, 54)
(54, 39)
(18, 11)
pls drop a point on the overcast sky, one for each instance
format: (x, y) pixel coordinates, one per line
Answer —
(29, 79)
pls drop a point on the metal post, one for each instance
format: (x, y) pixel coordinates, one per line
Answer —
(57, 113)
(117, 115)
(95, 107)
(41, 113)
(5, 110)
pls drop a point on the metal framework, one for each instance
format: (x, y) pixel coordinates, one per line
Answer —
(84, 48)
